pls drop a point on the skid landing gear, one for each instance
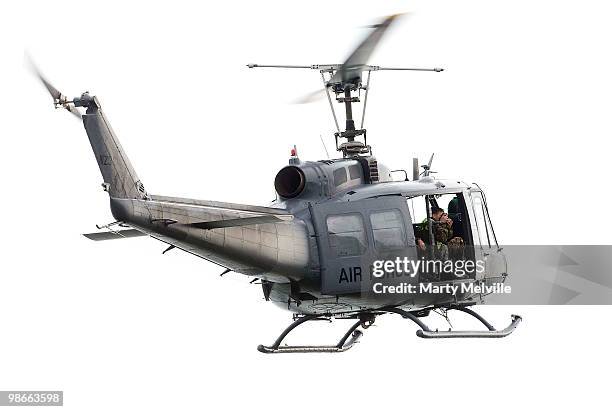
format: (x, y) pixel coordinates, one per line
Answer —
(427, 333)
(366, 319)
(345, 343)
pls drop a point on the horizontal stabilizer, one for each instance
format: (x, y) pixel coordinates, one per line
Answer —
(219, 205)
(216, 224)
(221, 214)
(119, 234)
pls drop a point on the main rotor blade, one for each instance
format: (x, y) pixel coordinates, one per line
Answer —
(321, 67)
(353, 66)
(416, 69)
(310, 97)
(278, 66)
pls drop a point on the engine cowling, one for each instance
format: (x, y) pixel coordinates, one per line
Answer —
(290, 182)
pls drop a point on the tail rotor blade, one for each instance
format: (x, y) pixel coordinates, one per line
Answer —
(36, 71)
(73, 110)
(58, 98)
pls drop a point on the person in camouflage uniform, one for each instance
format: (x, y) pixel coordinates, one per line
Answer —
(446, 245)
(443, 233)
(443, 225)
(456, 248)
(442, 228)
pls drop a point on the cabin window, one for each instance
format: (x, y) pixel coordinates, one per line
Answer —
(340, 176)
(355, 172)
(346, 234)
(388, 230)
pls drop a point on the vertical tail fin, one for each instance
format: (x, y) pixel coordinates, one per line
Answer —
(120, 179)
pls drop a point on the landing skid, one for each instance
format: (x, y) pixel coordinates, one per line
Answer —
(427, 333)
(366, 319)
(345, 343)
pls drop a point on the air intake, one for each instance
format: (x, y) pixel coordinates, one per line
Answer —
(373, 165)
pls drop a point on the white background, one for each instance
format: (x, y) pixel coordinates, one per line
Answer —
(523, 108)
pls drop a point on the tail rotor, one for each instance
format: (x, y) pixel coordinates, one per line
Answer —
(59, 99)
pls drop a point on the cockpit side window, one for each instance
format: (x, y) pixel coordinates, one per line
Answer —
(485, 236)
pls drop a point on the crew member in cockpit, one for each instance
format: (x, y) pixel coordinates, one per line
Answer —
(447, 246)
(443, 225)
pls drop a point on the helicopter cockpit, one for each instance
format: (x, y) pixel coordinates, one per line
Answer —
(467, 232)
(454, 212)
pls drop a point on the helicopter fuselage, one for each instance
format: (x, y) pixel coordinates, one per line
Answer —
(304, 263)
(320, 247)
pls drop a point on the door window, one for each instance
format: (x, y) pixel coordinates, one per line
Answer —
(346, 234)
(388, 230)
(483, 228)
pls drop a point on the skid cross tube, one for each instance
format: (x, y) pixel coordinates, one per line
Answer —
(345, 343)
(407, 315)
(476, 315)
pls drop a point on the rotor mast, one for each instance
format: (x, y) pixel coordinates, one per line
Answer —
(343, 91)
(346, 78)
(350, 132)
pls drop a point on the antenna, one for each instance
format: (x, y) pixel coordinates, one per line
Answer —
(427, 168)
(324, 147)
(415, 168)
(346, 78)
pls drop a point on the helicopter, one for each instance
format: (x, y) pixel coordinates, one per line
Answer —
(315, 248)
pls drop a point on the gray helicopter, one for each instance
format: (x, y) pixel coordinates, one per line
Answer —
(313, 250)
